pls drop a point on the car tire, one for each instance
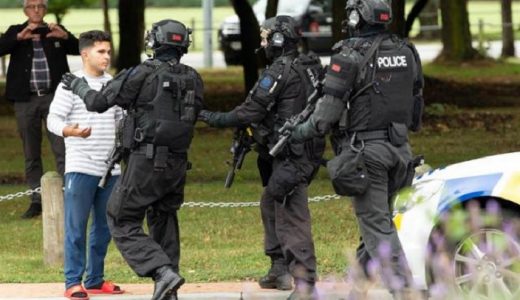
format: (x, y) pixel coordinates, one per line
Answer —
(483, 262)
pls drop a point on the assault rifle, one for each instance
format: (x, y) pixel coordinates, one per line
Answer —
(288, 126)
(115, 156)
(241, 145)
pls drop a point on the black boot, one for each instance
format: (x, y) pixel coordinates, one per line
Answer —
(277, 277)
(304, 291)
(171, 295)
(34, 210)
(166, 281)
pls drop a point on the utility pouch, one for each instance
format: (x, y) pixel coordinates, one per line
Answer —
(418, 109)
(284, 179)
(348, 173)
(261, 134)
(188, 107)
(397, 134)
(128, 132)
(161, 156)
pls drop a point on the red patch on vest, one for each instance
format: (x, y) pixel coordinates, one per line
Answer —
(384, 17)
(336, 68)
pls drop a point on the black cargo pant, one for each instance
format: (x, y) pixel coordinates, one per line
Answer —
(388, 170)
(286, 217)
(30, 116)
(159, 194)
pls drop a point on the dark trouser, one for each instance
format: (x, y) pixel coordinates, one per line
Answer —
(159, 194)
(287, 223)
(30, 116)
(387, 169)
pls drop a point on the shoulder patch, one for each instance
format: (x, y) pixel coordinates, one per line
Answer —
(266, 82)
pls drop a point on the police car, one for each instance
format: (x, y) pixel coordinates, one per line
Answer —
(459, 227)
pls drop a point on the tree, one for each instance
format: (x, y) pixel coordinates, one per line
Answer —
(131, 33)
(338, 15)
(398, 23)
(271, 9)
(59, 8)
(250, 39)
(456, 36)
(106, 25)
(429, 19)
(508, 39)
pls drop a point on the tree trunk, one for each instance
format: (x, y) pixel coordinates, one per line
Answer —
(271, 9)
(417, 8)
(107, 27)
(429, 19)
(131, 33)
(250, 39)
(456, 36)
(508, 39)
(338, 15)
(398, 23)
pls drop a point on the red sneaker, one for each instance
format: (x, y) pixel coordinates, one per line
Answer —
(107, 287)
(76, 292)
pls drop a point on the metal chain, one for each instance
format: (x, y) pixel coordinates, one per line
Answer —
(20, 194)
(251, 204)
(186, 204)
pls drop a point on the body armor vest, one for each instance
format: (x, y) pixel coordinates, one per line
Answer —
(266, 133)
(165, 108)
(383, 92)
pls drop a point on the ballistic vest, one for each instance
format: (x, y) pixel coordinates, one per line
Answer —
(383, 92)
(266, 133)
(165, 108)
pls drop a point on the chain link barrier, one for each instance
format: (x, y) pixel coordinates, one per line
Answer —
(187, 204)
(20, 194)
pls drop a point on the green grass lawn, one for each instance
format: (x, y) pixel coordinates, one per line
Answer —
(216, 246)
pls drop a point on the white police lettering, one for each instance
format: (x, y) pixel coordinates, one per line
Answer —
(392, 61)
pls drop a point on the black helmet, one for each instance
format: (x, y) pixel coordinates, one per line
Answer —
(279, 29)
(168, 33)
(373, 12)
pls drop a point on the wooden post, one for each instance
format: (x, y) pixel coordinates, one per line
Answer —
(52, 219)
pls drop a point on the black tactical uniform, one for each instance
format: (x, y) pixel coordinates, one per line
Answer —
(280, 93)
(373, 95)
(162, 98)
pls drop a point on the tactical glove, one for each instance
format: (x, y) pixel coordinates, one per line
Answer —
(205, 116)
(77, 85)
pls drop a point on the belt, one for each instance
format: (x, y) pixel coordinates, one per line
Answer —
(371, 135)
(40, 93)
(150, 150)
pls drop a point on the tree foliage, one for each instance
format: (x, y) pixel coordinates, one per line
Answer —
(59, 8)
(250, 39)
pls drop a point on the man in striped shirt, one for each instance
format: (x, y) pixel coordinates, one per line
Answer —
(89, 138)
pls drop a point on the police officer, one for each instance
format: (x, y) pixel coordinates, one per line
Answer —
(280, 93)
(372, 97)
(162, 98)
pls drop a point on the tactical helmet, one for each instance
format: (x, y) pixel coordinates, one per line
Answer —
(279, 29)
(373, 12)
(168, 33)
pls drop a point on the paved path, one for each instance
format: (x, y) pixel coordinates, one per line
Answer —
(220, 291)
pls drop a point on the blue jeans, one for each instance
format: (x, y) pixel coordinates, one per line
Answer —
(82, 196)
